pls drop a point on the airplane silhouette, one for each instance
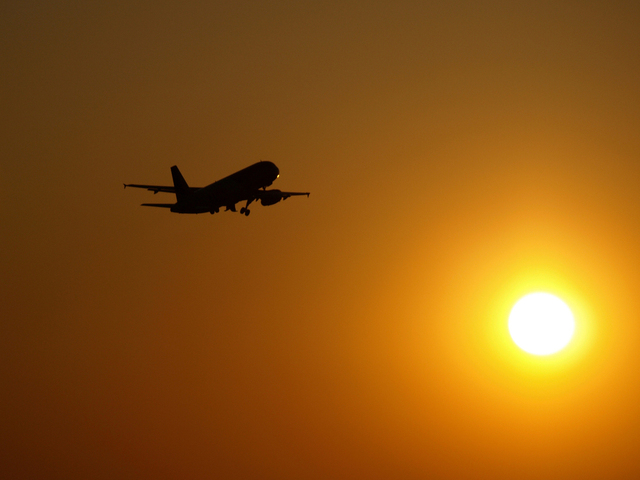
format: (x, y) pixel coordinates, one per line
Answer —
(247, 184)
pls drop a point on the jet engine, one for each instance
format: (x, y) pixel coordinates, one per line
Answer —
(270, 197)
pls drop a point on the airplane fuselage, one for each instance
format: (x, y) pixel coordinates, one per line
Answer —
(229, 190)
(238, 186)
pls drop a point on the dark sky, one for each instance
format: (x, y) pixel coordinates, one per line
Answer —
(459, 155)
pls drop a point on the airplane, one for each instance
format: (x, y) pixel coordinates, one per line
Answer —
(248, 184)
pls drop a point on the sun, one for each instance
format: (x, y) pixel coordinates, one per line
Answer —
(541, 323)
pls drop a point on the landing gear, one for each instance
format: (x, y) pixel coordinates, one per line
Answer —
(245, 209)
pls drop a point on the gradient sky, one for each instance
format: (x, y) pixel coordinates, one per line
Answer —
(459, 155)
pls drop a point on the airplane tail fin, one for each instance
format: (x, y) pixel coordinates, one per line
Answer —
(180, 184)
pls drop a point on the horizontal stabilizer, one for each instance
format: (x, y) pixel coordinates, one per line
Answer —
(152, 188)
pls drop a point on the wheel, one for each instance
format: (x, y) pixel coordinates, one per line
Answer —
(247, 212)
(242, 210)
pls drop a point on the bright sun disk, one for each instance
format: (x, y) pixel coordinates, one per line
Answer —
(541, 323)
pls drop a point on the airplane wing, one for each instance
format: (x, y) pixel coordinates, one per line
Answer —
(275, 193)
(153, 188)
(270, 197)
(286, 195)
(157, 188)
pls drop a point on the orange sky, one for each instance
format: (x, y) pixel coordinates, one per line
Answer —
(459, 155)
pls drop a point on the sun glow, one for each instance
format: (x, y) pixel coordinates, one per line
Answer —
(541, 324)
